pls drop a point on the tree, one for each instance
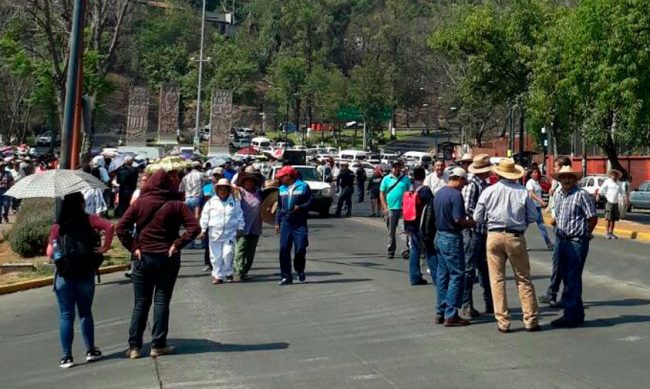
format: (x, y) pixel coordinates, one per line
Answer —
(369, 91)
(288, 77)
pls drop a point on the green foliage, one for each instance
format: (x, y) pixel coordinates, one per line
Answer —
(29, 234)
(369, 92)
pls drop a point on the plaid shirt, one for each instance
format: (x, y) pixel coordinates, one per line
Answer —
(471, 192)
(572, 210)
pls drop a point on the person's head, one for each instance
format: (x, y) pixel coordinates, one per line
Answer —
(614, 174)
(419, 173)
(561, 161)
(287, 175)
(396, 168)
(507, 169)
(344, 166)
(217, 174)
(196, 165)
(481, 166)
(535, 174)
(465, 161)
(378, 173)
(73, 207)
(223, 188)
(142, 180)
(128, 160)
(567, 177)
(457, 178)
(439, 167)
(249, 184)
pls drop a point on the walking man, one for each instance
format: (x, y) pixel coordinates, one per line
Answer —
(475, 238)
(507, 210)
(391, 191)
(615, 194)
(575, 220)
(451, 219)
(361, 182)
(345, 182)
(294, 200)
(423, 199)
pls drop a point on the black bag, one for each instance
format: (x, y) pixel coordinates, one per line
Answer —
(78, 242)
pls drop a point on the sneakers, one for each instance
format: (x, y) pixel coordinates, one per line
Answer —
(128, 273)
(285, 281)
(66, 362)
(133, 353)
(93, 355)
(302, 277)
(546, 299)
(230, 279)
(439, 319)
(159, 351)
(207, 269)
(562, 322)
(610, 235)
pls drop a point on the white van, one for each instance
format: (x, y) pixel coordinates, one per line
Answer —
(417, 158)
(352, 155)
(260, 143)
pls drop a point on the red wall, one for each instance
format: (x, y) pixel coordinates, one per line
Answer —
(637, 166)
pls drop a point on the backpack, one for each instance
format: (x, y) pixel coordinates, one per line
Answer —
(410, 202)
(78, 243)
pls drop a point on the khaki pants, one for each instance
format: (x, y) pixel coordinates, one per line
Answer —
(502, 246)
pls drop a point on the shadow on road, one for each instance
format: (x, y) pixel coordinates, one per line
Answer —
(339, 281)
(186, 346)
(613, 321)
(631, 302)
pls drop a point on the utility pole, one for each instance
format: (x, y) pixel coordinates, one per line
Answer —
(72, 87)
(198, 93)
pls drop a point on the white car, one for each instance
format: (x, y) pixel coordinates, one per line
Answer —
(322, 191)
(369, 168)
(592, 184)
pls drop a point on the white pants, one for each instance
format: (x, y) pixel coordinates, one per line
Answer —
(221, 256)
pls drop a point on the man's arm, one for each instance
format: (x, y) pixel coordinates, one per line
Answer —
(531, 211)
(479, 210)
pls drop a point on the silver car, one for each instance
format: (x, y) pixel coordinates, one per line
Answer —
(640, 198)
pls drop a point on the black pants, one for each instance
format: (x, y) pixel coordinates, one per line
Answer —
(345, 196)
(125, 201)
(360, 191)
(153, 279)
(206, 251)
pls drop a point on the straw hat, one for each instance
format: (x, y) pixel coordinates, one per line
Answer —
(223, 182)
(249, 173)
(269, 205)
(567, 170)
(467, 157)
(615, 171)
(508, 169)
(480, 164)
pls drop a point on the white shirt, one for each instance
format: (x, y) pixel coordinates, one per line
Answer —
(533, 186)
(192, 184)
(222, 219)
(612, 191)
(434, 182)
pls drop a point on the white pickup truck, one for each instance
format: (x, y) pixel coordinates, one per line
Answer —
(322, 191)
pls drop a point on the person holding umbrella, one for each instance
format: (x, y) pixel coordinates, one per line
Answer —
(158, 216)
(74, 283)
(294, 200)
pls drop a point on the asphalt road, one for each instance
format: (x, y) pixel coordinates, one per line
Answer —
(357, 323)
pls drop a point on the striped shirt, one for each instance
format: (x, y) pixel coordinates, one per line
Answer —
(471, 193)
(505, 204)
(572, 210)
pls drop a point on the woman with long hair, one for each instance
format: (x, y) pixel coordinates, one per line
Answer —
(158, 216)
(75, 287)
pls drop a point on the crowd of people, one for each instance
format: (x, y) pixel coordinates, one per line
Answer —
(464, 225)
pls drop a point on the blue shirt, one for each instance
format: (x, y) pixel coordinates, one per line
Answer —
(572, 210)
(448, 206)
(394, 197)
(299, 194)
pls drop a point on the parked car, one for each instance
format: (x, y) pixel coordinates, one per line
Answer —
(640, 198)
(240, 143)
(369, 168)
(322, 191)
(592, 185)
(260, 143)
(416, 158)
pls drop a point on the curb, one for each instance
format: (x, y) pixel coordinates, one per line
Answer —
(643, 237)
(40, 282)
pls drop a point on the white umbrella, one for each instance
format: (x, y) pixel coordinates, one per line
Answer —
(54, 183)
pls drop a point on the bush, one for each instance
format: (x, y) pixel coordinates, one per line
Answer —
(28, 236)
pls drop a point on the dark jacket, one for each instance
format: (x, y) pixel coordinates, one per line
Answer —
(345, 179)
(160, 204)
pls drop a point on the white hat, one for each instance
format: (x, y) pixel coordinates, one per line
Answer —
(223, 182)
(458, 172)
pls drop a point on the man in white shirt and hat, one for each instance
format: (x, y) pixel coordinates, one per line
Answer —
(615, 194)
(507, 210)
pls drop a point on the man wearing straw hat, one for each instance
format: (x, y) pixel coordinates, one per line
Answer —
(575, 220)
(507, 210)
(614, 193)
(474, 238)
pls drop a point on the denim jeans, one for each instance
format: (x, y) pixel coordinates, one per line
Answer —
(572, 255)
(5, 204)
(153, 279)
(556, 279)
(77, 294)
(415, 251)
(476, 262)
(361, 192)
(450, 274)
(542, 226)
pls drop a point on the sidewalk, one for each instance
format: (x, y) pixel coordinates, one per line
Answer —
(625, 229)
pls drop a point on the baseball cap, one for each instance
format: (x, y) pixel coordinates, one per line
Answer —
(458, 172)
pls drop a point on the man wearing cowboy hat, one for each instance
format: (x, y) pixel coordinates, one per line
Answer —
(614, 193)
(507, 210)
(575, 220)
(474, 238)
(465, 161)
(249, 182)
(294, 200)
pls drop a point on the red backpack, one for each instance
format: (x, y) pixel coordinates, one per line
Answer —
(410, 203)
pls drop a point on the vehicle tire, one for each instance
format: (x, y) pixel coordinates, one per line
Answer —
(324, 213)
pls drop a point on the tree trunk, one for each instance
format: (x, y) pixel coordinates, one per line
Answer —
(611, 151)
